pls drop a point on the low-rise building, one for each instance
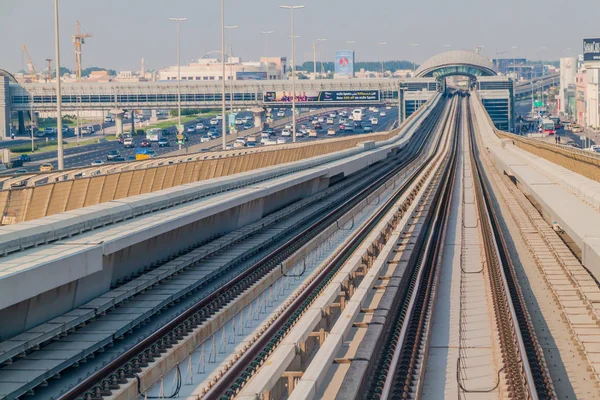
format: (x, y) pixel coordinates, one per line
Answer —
(210, 69)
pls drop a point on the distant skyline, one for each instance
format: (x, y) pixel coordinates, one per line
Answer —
(126, 31)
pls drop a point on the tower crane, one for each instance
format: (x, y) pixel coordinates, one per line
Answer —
(78, 40)
(30, 66)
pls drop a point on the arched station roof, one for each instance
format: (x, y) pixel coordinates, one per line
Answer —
(10, 76)
(456, 62)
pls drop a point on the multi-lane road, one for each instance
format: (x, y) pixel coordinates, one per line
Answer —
(84, 155)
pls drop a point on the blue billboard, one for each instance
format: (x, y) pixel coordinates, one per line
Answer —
(344, 63)
(251, 76)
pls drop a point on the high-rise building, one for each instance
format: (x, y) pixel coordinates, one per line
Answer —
(568, 70)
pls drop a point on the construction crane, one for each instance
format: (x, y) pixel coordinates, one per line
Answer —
(49, 71)
(78, 40)
(30, 66)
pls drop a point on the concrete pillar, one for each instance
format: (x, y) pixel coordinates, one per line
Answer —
(259, 114)
(4, 108)
(21, 123)
(154, 116)
(119, 115)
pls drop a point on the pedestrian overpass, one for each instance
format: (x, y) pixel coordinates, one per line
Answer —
(406, 94)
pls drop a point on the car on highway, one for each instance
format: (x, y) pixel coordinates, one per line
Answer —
(269, 142)
(574, 145)
(50, 131)
(199, 126)
(348, 129)
(25, 158)
(368, 129)
(96, 163)
(204, 139)
(382, 114)
(281, 114)
(219, 117)
(46, 167)
(112, 155)
(357, 125)
(162, 142)
(191, 129)
(151, 153)
(214, 121)
(166, 132)
(342, 127)
(374, 121)
(270, 131)
(248, 126)
(300, 134)
(128, 143)
(594, 148)
(321, 120)
(21, 171)
(145, 143)
(286, 132)
(312, 133)
(331, 131)
(282, 140)
(287, 126)
(333, 114)
(318, 126)
(131, 158)
(118, 159)
(343, 121)
(108, 119)
(330, 121)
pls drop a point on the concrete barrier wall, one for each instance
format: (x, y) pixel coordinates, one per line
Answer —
(30, 203)
(582, 162)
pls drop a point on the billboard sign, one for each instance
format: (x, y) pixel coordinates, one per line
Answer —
(344, 63)
(251, 76)
(325, 96)
(591, 49)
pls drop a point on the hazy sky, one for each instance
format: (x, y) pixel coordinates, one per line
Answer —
(127, 30)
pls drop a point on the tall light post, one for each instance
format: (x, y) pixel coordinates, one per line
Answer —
(314, 46)
(321, 53)
(223, 103)
(382, 68)
(230, 56)
(542, 49)
(414, 62)
(292, 8)
(179, 127)
(59, 134)
(267, 33)
(514, 63)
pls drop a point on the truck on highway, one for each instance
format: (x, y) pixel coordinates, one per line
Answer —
(154, 135)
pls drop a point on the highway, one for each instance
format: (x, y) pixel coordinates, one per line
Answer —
(85, 155)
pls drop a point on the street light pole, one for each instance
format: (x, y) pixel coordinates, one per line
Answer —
(321, 55)
(514, 63)
(267, 33)
(179, 127)
(230, 56)
(382, 68)
(223, 103)
(59, 134)
(292, 8)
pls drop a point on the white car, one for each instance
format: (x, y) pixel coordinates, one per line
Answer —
(239, 121)
(219, 117)
(281, 140)
(329, 121)
(321, 120)
(382, 114)
(288, 126)
(333, 115)
(199, 127)
(97, 162)
(374, 121)
(214, 121)
(281, 114)
(286, 132)
(299, 134)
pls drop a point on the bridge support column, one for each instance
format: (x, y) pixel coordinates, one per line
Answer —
(259, 114)
(4, 108)
(119, 116)
(21, 117)
(154, 116)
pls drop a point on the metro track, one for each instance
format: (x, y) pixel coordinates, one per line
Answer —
(401, 362)
(230, 282)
